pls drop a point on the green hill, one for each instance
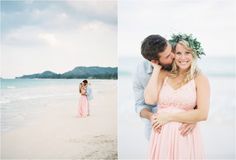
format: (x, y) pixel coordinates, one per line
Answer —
(78, 72)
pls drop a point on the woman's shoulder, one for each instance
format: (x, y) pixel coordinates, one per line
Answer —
(163, 74)
(201, 79)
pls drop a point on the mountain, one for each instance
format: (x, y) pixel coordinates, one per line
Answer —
(78, 72)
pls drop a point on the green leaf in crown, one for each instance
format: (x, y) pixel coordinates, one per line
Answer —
(192, 42)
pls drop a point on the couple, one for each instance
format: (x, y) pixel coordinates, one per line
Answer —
(173, 95)
(85, 96)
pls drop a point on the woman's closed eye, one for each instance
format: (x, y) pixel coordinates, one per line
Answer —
(178, 53)
(187, 52)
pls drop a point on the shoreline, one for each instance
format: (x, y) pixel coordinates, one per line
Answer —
(56, 132)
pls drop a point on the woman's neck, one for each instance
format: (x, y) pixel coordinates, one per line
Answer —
(182, 73)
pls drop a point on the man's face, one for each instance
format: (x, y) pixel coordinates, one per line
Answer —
(166, 57)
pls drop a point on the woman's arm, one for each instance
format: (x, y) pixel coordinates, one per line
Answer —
(154, 85)
(193, 116)
(150, 92)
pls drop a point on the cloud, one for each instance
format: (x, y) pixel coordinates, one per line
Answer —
(49, 38)
(105, 8)
(56, 14)
(24, 36)
(55, 37)
(105, 11)
(33, 49)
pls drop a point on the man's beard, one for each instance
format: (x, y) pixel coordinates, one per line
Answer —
(166, 67)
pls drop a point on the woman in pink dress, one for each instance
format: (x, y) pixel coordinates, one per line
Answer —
(183, 96)
(83, 101)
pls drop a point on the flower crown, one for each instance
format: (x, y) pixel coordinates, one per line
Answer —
(192, 42)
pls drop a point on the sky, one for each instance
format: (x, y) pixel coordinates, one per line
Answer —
(213, 23)
(57, 35)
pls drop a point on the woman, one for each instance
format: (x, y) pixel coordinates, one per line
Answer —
(83, 101)
(179, 92)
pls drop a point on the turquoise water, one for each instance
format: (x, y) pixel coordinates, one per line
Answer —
(29, 83)
(13, 90)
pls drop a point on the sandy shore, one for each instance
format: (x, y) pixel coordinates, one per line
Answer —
(58, 134)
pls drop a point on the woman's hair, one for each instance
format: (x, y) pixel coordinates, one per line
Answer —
(80, 87)
(192, 72)
(85, 81)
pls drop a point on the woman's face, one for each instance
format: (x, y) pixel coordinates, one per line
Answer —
(183, 57)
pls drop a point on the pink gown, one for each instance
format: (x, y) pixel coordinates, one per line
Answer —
(83, 105)
(170, 144)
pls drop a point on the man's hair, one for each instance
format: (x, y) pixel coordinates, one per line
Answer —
(85, 81)
(152, 46)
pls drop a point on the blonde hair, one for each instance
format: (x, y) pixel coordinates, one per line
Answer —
(192, 72)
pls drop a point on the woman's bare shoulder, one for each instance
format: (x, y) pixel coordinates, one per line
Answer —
(163, 74)
(201, 79)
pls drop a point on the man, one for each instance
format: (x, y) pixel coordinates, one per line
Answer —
(88, 93)
(158, 55)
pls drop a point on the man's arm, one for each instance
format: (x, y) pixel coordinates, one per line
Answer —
(146, 113)
(141, 108)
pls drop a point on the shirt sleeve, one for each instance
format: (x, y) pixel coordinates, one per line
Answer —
(89, 93)
(138, 89)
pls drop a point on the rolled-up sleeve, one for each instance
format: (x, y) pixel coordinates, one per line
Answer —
(138, 89)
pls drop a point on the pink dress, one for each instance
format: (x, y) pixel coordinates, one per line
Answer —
(170, 144)
(83, 105)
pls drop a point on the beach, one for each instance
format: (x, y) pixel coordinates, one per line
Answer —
(54, 131)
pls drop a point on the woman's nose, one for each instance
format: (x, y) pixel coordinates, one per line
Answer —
(182, 56)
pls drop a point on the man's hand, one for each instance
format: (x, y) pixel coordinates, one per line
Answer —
(186, 128)
(154, 123)
(160, 120)
(146, 113)
(152, 117)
